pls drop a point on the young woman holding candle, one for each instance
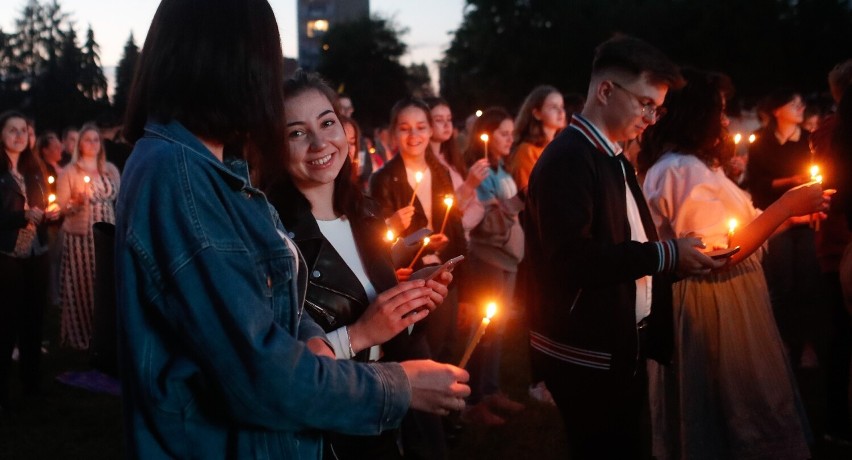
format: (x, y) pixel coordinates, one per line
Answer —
(495, 250)
(541, 117)
(86, 191)
(352, 290)
(23, 254)
(779, 159)
(395, 187)
(465, 180)
(730, 392)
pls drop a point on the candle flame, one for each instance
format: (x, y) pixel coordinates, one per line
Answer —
(732, 225)
(814, 171)
(418, 177)
(87, 179)
(478, 113)
(491, 310)
(752, 138)
(372, 150)
(50, 179)
(389, 235)
(448, 200)
(818, 178)
(426, 241)
(51, 198)
(484, 137)
(737, 138)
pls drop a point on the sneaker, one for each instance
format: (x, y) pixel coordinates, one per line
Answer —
(480, 414)
(540, 393)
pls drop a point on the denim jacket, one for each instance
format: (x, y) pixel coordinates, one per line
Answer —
(211, 324)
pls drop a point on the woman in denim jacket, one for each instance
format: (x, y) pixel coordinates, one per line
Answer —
(218, 358)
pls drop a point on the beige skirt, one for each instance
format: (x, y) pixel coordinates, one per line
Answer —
(730, 393)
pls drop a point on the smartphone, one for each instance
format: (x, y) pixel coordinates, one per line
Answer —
(722, 253)
(430, 273)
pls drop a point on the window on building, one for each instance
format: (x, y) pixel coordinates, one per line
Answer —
(317, 28)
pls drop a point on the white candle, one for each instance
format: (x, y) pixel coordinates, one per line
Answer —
(477, 336)
(448, 200)
(417, 178)
(420, 251)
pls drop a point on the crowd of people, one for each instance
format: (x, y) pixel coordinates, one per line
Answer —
(274, 264)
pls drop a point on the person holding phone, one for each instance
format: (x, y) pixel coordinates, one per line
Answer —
(218, 358)
(352, 288)
(730, 391)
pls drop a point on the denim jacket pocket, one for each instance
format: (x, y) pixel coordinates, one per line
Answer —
(276, 272)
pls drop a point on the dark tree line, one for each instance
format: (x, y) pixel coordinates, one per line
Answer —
(505, 47)
(362, 58)
(47, 74)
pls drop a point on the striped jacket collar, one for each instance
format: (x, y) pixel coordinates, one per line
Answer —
(594, 135)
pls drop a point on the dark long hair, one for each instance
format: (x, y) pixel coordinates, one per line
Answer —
(449, 148)
(347, 198)
(693, 124)
(487, 123)
(29, 164)
(216, 66)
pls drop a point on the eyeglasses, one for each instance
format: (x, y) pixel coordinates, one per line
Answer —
(650, 110)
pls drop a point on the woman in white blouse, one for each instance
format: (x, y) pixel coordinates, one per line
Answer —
(730, 391)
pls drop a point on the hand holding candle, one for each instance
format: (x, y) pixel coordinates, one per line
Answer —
(417, 256)
(418, 177)
(484, 139)
(490, 311)
(448, 201)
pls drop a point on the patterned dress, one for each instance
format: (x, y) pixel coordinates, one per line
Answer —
(77, 273)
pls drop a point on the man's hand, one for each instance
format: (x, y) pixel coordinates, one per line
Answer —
(691, 261)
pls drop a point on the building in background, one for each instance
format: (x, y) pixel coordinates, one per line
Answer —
(317, 17)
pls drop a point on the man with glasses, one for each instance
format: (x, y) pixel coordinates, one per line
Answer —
(598, 281)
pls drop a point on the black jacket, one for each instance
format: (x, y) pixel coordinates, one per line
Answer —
(581, 265)
(389, 187)
(335, 296)
(12, 207)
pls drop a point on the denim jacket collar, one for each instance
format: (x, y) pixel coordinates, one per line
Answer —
(234, 170)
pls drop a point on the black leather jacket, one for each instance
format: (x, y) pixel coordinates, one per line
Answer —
(389, 186)
(12, 208)
(335, 296)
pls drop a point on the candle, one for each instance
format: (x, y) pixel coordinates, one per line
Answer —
(87, 179)
(815, 177)
(51, 180)
(52, 206)
(477, 336)
(484, 138)
(390, 236)
(417, 178)
(420, 251)
(448, 200)
(752, 138)
(737, 138)
(732, 225)
(478, 113)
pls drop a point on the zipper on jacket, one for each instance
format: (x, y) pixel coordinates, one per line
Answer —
(322, 311)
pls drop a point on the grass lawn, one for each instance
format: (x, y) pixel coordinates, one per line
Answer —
(70, 423)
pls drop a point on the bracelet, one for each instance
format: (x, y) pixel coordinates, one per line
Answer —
(349, 342)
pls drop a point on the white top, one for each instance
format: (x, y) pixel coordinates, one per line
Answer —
(472, 209)
(687, 196)
(338, 232)
(644, 284)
